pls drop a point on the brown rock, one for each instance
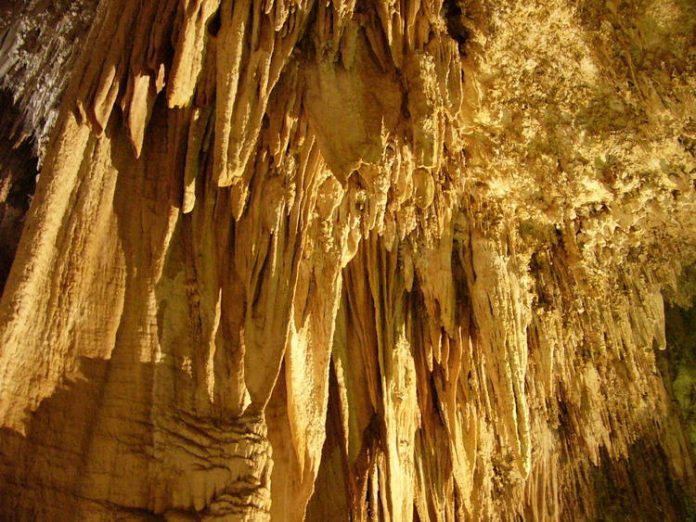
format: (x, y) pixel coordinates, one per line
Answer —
(300, 260)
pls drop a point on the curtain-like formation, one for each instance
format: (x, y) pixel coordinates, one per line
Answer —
(352, 260)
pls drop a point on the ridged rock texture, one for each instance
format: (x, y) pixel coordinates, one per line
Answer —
(347, 260)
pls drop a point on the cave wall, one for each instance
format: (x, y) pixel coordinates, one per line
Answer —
(354, 260)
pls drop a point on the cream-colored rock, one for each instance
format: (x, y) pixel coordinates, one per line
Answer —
(301, 260)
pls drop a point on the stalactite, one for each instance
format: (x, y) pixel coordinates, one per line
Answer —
(297, 259)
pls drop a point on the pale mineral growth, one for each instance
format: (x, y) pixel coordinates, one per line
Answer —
(347, 260)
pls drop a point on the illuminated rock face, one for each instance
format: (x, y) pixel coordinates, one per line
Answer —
(347, 260)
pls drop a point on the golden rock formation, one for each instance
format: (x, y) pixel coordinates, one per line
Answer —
(348, 260)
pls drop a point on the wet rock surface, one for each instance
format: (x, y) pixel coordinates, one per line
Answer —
(347, 260)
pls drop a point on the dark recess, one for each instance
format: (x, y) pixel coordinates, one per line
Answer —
(17, 181)
(454, 17)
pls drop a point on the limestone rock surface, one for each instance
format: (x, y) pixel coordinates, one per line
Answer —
(424, 260)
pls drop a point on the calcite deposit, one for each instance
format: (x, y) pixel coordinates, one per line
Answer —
(287, 260)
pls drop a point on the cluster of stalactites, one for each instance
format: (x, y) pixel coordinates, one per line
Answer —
(382, 89)
(307, 239)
